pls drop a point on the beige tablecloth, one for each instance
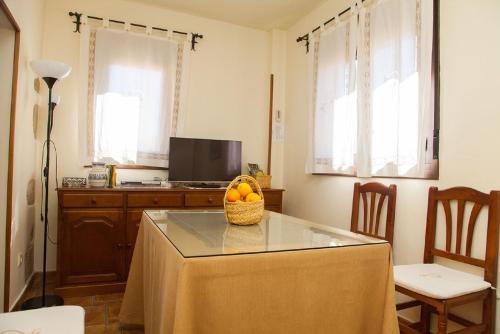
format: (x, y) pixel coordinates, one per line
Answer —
(334, 290)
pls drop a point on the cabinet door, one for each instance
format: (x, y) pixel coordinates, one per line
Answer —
(92, 247)
(133, 221)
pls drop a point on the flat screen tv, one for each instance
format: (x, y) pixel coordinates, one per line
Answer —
(203, 160)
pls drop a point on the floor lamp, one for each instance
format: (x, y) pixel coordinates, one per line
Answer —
(50, 71)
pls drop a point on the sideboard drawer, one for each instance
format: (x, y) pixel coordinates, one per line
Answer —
(154, 200)
(205, 199)
(70, 200)
(273, 198)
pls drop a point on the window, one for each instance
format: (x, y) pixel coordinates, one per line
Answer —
(372, 97)
(132, 103)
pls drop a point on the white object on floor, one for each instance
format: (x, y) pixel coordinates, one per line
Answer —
(436, 281)
(50, 320)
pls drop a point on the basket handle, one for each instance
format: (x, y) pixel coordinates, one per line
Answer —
(239, 179)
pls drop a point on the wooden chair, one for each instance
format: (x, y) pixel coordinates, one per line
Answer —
(371, 222)
(436, 288)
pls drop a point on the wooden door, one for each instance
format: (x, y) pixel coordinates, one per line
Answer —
(92, 246)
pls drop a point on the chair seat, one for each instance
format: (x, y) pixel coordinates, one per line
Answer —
(53, 320)
(436, 281)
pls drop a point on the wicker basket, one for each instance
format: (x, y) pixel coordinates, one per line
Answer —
(244, 213)
(264, 181)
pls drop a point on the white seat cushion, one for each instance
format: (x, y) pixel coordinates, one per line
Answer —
(53, 320)
(436, 281)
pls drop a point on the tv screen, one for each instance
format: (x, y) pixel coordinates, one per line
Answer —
(202, 160)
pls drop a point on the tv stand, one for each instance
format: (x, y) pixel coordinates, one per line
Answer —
(111, 217)
(204, 185)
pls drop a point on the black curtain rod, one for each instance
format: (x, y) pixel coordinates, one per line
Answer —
(306, 36)
(78, 23)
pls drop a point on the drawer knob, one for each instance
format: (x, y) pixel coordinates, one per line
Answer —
(119, 246)
(155, 200)
(210, 200)
(93, 200)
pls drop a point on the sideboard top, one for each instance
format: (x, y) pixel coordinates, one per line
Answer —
(147, 189)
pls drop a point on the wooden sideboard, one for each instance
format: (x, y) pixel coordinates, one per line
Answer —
(97, 228)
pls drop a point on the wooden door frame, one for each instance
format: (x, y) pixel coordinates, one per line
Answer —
(10, 171)
(270, 124)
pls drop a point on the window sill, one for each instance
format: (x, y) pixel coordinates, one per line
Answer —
(432, 174)
(378, 177)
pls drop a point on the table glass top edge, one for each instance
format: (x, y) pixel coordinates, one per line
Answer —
(202, 233)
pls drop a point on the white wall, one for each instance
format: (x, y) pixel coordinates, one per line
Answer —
(278, 68)
(470, 120)
(228, 93)
(28, 14)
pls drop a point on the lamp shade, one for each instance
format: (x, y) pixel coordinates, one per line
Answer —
(50, 69)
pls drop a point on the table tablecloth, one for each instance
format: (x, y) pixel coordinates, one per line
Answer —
(330, 290)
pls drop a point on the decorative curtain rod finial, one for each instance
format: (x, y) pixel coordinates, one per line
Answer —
(304, 38)
(194, 36)
(78, 21)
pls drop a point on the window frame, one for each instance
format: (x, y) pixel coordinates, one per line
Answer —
(433, 173)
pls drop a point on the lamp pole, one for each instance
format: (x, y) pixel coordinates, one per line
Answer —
(44, 300)
(50, 83)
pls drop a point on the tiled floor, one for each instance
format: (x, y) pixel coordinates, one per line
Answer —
(101, 311)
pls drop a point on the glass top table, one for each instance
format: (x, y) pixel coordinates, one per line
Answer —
(197, 233)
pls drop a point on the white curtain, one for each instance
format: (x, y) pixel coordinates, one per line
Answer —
(333, 105)
(395, 87)
(134, 96)
(391, 93)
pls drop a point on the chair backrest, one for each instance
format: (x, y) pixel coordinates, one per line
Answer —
(373, 208)
(478, 200)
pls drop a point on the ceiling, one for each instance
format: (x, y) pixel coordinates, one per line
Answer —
(259, 14)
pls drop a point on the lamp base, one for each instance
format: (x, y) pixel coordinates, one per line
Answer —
(37, 302)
